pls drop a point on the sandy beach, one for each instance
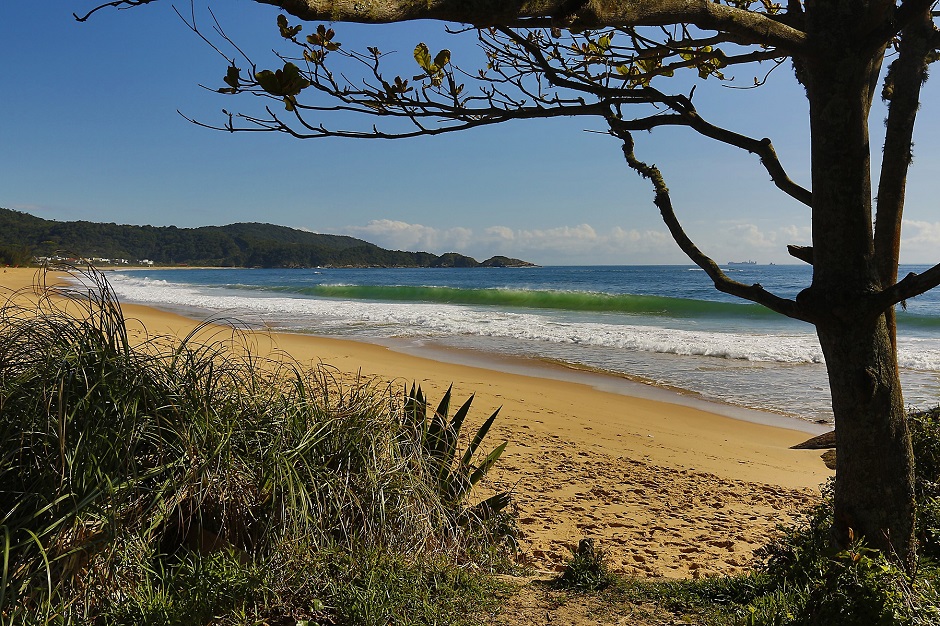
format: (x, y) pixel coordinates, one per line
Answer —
(665, 489)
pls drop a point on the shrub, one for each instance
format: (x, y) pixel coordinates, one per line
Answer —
(925, 440)
(587, 570)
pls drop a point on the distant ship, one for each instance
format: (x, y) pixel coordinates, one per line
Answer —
(742, 262)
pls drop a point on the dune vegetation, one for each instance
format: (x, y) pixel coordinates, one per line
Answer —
(158, 480)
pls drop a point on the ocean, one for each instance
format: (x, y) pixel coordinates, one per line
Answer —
(664, 326)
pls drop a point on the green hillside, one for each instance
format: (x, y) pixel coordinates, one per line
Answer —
(23, 236)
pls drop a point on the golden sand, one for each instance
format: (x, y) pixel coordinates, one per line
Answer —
(664, 489)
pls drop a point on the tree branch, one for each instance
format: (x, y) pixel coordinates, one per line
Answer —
(754, 293)
(748, 27)
(480, 118)
(119, 4)
(902, 88)
(686, 115)
(907, 13)
(912, 285)
(763, 148)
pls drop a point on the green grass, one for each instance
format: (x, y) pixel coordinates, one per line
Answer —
(188, 482)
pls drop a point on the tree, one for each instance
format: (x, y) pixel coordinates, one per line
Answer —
(600, 58)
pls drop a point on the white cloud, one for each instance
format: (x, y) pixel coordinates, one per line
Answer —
(398, 235)
(919, 232)
(752, 237)
(920, 241)
(500, 233)
(740, 241)
(589, 245)
(579, 244)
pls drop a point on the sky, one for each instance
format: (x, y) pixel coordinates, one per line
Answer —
(91, 129)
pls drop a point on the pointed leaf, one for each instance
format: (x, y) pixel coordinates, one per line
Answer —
(435, 438)
(444, 407)
(448, 451)
(457, 422)
(485, 510)
(478, 439)
(487, 463)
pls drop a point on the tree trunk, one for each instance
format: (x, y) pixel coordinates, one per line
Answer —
(874, 491)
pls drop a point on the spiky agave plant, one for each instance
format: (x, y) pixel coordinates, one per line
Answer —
(454, 474)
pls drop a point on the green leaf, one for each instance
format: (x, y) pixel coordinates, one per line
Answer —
(442, 59)
(478, 439)
(648, 65)
(436, 437)
(423, 57)
(284, 82)
(487, 463)
(488, 508)
(287, 32)
(232, 78)
(456, 423)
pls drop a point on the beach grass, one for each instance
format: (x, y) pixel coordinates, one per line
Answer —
(159, 480)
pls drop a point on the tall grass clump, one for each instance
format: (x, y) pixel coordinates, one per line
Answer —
(153, 480)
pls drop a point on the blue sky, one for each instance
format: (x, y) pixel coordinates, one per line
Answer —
(89, 130)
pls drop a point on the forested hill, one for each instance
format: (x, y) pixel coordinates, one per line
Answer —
(236, 245)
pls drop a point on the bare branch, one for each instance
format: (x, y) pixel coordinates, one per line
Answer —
(754, 293)
(763, 148)
(481, 118)
(803, 253)
(912, 285)
(119, 4)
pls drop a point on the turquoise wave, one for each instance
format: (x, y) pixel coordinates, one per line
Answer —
(537, 299)
(576, 301)
(917, 320)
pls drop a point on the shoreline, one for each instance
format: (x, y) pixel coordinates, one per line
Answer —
(542, 368)
(601, 380)
(751, 406)
(666, 489)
